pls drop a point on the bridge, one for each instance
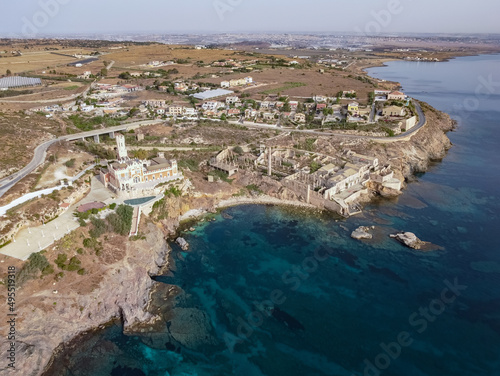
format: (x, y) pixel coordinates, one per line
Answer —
(109, 131)
(41, 151)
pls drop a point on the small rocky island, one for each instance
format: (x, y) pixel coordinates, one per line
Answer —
(409, 239)
(362, 232)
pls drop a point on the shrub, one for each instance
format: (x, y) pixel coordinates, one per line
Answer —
(70, 163)
(112, 206)
(74, 264)
(121, 221)
(221, 175)
(81, 271)
(61, 260)
(315, 166)
(49, 269)
(173, 191)
(35, 263)
(98, 229)
(192, 164)
(90, 242)
(159, 211)
(253, 187)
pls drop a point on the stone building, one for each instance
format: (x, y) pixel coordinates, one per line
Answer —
(128, 174)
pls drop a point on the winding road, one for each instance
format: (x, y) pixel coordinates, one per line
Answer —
(399, 137)
(38, 159)
(41, 150)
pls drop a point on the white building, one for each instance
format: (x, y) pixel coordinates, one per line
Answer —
(212, 105)
(232, 100)
(126, 174)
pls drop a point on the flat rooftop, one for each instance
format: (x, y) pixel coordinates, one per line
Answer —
(209, 94)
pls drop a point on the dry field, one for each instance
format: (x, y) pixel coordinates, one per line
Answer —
(33, 61)
(19, 135)
(58, 170)
(40, 96)
(136, 55)
(203, 135)
(314, 83)
(72, 283)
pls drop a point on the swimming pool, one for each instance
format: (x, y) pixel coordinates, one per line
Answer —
(139, 201)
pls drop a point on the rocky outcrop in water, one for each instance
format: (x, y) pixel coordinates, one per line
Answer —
(191, 328)
(182, 243)
(361, 232)
(409, 239)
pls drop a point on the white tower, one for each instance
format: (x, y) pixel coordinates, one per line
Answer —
(122, 149)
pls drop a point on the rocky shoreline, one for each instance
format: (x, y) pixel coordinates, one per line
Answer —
(126, 289)
(46, 324)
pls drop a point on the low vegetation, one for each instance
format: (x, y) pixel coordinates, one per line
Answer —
(286, 86)
(88, 124)
(37, 263)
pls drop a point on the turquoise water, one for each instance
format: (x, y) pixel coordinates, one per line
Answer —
(343, 307)
(139, 201)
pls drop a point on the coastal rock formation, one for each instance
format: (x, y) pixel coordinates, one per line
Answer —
(191, 328)
(182, 243)
(409, 239)
(429, 144)
(361, 233)
(46, 321)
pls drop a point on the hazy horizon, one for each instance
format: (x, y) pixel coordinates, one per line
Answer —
(33, 18)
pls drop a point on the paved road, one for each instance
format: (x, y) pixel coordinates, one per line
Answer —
(55, 100)
(117, 128)
(420, 124)
(372, 113)
(421, 121)
(35, 239)
(38, 159)
(41, 151)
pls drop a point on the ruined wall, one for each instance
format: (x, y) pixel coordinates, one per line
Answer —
(315, 198)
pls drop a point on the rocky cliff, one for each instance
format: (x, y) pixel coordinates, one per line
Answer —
(429, 144)
(46, 320)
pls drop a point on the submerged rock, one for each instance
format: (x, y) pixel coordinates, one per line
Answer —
(409, 239)
(191, 328)
(361, 233)
(182, 243)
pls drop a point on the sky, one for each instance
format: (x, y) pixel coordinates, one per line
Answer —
(31, 18)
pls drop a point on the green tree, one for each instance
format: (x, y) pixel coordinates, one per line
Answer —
(99, 227)
(315, 166)
(121, 221)
(124, 76)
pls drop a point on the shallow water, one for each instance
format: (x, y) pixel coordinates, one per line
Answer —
(344, 304)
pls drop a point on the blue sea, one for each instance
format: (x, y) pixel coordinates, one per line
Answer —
(268, 291)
